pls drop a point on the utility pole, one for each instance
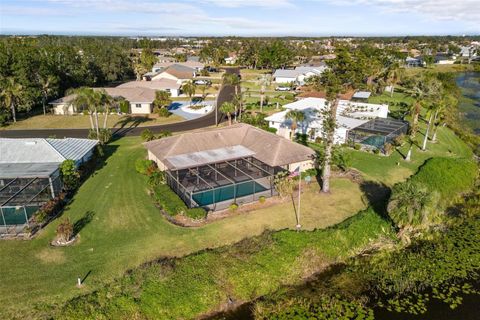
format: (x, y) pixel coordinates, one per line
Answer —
(299, 226)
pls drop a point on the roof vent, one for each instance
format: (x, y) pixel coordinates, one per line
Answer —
(30, 143)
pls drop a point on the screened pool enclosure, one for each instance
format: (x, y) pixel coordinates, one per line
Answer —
(22, 194)
(236, 177)
(377, 132)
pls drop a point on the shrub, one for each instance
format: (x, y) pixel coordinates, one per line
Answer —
(70, 174)
(163, 134)
(147, 135)
(233, 207)
(144, 166)
(155, 178)
(272, 130)
(262, 199)
(357, 146)
(104, 135)
(169, 201)
(284, 184)
(376, 151)
(196, 213)
(387, 148)
(162, 112)
(65, 230)
(399, 140)
(124, 106)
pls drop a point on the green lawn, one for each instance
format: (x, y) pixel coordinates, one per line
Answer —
(127, 230)
(81, 121)
(394, 168)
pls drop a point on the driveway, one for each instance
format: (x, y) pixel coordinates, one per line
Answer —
(225, 94)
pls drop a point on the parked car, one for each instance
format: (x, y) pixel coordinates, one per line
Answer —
(283, 88)
(202, 82)
(211, 69)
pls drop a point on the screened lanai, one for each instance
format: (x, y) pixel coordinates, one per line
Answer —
(214, 179)
(377, 132)
(23, 189)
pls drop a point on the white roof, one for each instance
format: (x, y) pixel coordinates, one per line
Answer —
(39, 150)
(362, 95)
(160, 84)
(349, 114)
(194, 159)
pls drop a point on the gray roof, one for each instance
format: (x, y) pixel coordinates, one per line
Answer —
(361, 95)
(74, 149)
(286, 73)
(27, 170)
(199, 158)
(39, 150)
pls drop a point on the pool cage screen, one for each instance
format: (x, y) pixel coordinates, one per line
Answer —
(377, 132)
(216, 186)
(20, 198)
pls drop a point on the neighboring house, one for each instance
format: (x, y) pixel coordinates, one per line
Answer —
(176, 72)
(30, 175)
(168, 85)
(230, 60)
(214, 168)
(163, 65)
(468, 51)
(349, 116)
(297, 75)
(414, 62)
(443, 59)
(140, 99)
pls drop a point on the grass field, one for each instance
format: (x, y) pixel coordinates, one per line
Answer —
(127, 230)
(82, 121)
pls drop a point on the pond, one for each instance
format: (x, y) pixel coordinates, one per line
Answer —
(469, 83)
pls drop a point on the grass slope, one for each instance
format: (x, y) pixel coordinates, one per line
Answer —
(127, 230)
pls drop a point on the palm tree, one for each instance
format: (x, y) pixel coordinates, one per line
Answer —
(411, 141)
(332, 88)
(48, 85)
(228, 108)
(11, 94)
(394, 75)
(264, 81)
(189, 88)
(90, 99)
(447, 100)
(426, 87)
(296, 116)
(232, 79)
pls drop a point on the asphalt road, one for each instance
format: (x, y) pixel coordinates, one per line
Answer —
(225, 94)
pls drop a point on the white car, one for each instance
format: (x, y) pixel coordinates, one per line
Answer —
(283, 88)
(203, 82)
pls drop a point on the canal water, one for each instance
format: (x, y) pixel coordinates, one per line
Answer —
(469, 83)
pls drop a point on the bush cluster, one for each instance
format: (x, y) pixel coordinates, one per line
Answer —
(172, 204)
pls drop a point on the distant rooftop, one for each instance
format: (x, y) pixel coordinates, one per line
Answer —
(361, 95)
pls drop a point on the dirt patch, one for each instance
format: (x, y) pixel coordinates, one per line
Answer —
(51, 256)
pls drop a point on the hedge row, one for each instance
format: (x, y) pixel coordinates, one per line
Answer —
(172, 204)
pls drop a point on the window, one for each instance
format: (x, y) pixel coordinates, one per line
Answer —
(138, 105)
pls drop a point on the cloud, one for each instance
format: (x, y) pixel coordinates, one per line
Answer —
(269, 4)
(442, 10)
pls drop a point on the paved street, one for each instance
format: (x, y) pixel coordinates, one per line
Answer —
(225, 94)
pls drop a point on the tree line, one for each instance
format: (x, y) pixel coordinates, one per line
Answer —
(34, 71)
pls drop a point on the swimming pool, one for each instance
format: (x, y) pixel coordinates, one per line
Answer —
(206, 198)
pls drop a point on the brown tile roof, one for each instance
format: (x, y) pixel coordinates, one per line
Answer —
(161, 84)
(268, 147)
(179, 71)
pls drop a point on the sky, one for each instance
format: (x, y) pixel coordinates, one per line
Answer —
(241, 17)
